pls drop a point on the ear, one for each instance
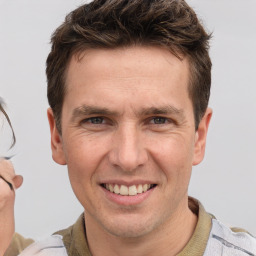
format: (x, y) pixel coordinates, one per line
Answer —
(200, 138)
(56, 140)
(17, 181)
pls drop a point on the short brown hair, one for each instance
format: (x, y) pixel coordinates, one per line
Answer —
(8, 120)
(171, 24)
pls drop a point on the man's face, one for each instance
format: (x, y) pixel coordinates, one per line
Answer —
(128, 125)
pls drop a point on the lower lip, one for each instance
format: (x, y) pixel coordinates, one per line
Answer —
(128, 200)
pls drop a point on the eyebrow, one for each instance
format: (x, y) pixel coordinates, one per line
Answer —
(91, 110)
(165, 110)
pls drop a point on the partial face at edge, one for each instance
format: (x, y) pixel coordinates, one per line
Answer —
(8, 175)
(127, 121)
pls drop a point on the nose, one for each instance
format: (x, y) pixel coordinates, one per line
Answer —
(128, 150)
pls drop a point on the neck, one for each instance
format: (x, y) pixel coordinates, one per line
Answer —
(168, 239)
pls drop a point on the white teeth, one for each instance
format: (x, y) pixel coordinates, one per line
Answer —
(131, 190)
(145, 187)
(111, 188)
(116, 189)
(124, 190)
(139, 189)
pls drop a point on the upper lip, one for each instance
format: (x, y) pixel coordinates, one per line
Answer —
(127, 183)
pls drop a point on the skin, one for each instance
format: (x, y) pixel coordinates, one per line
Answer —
(7, 197)
(127, 119)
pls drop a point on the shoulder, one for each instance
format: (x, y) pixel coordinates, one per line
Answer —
(74, 238)
(18, 244)
(52, 245)
(229, 242)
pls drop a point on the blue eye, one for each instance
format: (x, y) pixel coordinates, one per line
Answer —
(96, 120)
(159, 120)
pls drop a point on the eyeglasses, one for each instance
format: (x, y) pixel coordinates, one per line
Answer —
(10, 184)
(2, 111)
(1, 177)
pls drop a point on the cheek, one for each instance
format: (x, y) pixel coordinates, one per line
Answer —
(173, 151)
(83, 156)
(173, 161)
(82, 166)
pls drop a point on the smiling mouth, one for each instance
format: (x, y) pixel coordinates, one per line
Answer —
(124, 190)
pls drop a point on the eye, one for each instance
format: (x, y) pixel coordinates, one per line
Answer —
(159, 120)
(95, 120)
(96, 124)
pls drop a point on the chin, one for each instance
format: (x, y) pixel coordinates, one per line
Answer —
(130, 228)
(128, 232)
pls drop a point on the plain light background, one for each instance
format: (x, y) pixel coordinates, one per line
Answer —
(226, 180)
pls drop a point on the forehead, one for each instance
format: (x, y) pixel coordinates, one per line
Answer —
(129, 61)
(144, 71)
